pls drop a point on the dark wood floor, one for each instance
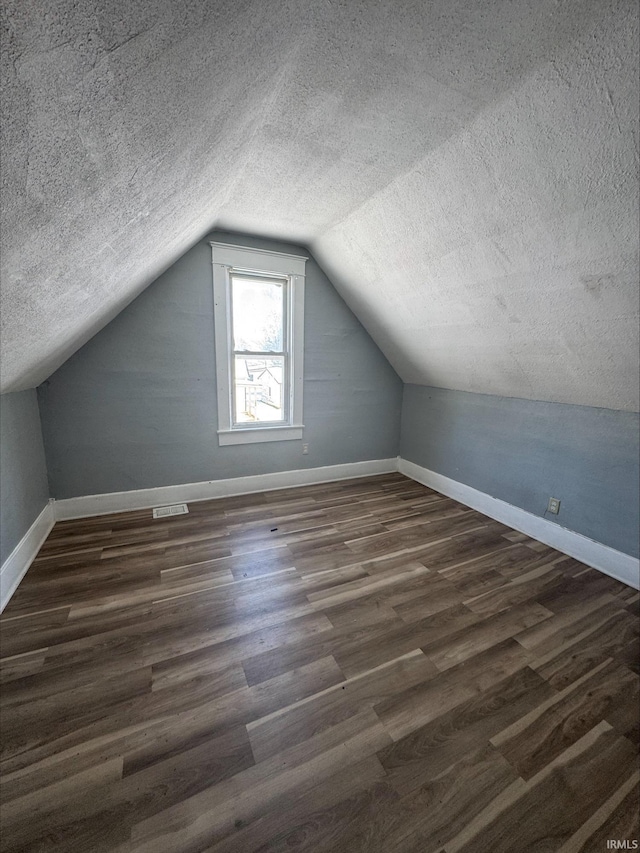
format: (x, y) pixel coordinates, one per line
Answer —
(357, 666)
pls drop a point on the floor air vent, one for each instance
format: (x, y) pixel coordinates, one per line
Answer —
(166, 511)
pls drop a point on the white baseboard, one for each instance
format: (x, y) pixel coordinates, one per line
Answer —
(618, 565)
(614, 563)
(186, 492)
(15, 566)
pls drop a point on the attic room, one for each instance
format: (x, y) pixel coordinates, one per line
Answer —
(319, 431)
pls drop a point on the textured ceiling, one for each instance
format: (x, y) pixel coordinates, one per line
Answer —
(466, 171)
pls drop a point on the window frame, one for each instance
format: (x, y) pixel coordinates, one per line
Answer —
(284, 353)
(228, 259)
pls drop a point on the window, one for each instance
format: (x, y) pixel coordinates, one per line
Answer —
(259, 324)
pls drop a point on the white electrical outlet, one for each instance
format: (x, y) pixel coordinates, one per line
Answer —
(553, 506)
(305, 449)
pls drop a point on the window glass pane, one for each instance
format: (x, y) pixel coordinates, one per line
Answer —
(259, 389)
(258, 307)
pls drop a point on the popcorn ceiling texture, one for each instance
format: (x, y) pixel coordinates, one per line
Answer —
(466, 172)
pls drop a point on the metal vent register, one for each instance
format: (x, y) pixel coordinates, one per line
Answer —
(166, 511)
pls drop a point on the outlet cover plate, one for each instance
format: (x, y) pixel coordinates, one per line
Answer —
(553, 506)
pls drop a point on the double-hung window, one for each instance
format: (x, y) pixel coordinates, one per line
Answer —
(259, 327)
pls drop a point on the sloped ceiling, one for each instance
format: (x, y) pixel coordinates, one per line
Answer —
(466, 171)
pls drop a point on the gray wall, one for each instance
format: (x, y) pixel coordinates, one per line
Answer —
(136, 406)
(523, 451)
(24, 491)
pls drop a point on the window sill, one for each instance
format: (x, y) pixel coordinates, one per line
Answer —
(259, 434)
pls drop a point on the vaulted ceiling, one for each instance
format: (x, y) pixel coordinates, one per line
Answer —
(466, 172)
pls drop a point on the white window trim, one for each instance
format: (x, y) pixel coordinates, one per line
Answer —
(226, 259)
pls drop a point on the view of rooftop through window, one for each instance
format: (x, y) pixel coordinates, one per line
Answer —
(259, 363)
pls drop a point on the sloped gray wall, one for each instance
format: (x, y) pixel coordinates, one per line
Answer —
(136, 406)
(524, 452)
(24, 491)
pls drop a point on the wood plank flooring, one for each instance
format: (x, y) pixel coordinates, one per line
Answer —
(356, 666)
